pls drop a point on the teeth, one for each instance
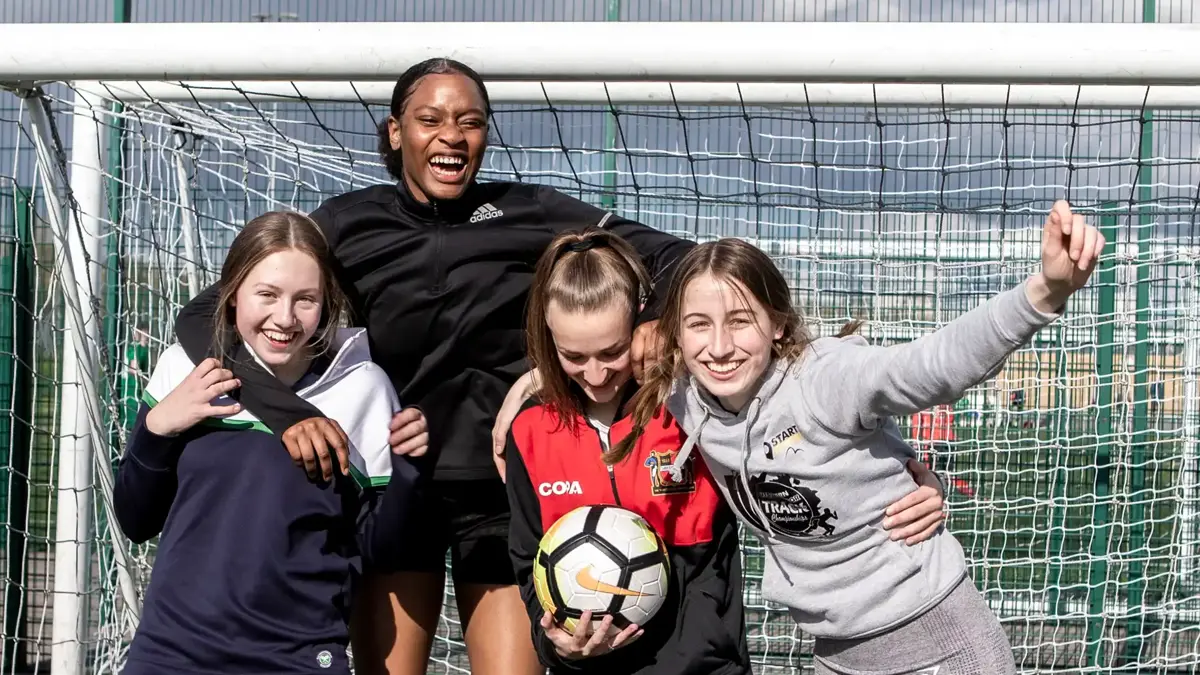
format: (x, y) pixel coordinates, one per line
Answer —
(446, 159)
(724, 367)
(277, 336)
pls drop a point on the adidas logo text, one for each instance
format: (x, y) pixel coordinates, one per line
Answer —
(485, 212)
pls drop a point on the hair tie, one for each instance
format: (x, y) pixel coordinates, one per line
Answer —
(584, 245)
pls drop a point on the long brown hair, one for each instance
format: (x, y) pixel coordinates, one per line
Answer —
(262, 237)
(751, 270)
(582, 271)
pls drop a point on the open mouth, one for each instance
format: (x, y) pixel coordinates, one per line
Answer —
(449, 168)
(723, 370)
(279, 339)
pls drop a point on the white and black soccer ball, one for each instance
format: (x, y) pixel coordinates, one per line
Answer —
(605, 559)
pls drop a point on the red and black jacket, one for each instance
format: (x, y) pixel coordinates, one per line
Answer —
(700, 629)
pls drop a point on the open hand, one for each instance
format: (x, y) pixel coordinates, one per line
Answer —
(584, 642)
(191, 401)
(918, 515)
(308, 443)
(410, 434)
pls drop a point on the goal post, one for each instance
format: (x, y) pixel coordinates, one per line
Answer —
(897, 173)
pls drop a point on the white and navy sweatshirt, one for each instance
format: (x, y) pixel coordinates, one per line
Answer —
(256, 565)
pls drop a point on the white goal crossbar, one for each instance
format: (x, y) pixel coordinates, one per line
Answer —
(626, 51)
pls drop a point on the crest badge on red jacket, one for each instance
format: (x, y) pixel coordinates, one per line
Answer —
(661, 482)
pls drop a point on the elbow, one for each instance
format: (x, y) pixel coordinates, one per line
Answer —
(134, 524)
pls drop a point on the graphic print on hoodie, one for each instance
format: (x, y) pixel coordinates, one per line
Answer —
(815, 458)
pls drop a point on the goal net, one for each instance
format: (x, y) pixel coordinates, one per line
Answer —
(1071, 475)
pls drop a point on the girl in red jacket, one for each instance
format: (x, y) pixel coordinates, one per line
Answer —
(561, 451)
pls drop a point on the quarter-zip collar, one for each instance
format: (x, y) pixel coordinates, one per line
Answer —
(448, 210)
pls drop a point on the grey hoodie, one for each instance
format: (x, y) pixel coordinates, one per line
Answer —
(818, 449)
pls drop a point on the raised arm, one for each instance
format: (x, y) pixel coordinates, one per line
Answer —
(874, 382)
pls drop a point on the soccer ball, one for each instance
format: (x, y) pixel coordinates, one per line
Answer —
(604, 559)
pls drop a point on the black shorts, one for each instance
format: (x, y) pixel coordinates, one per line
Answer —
(468, 518)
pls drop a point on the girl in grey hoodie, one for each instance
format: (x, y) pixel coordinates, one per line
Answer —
(801, 438)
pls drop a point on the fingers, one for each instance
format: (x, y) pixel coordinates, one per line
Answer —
(222, 410)
(898, 509)
(319, 445)
(631, 632)
(205, 367)
(920, 530)
(637, 351)
(413, 447)
(560, 638)
(1059, 220)
(409, 431)
(1078, 234)
(498, 440)
(222, 387)
(1087, 252)
(599, 639)
(501, 466)
(927, 501)
(336, 437)
(582, 633)
(406, 417)
(300, 444)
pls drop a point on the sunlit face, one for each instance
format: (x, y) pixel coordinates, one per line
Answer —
(442, 135)
(593, 348)
(726, 337)
(278, 309)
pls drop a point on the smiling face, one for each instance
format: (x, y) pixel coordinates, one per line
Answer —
(725, 338)
(278, 311)
(593, 347)
(441, 135)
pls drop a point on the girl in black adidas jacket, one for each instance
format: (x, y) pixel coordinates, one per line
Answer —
(438, 267)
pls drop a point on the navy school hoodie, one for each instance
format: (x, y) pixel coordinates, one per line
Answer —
(256, 565)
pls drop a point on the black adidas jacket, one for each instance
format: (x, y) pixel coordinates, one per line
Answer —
(441, 289)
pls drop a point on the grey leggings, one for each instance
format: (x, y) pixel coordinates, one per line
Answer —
(959, 636)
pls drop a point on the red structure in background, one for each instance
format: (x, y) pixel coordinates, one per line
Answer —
(934, 431)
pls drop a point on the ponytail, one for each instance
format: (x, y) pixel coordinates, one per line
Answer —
(583, 271)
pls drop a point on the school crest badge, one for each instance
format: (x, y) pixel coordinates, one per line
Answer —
(661, 482)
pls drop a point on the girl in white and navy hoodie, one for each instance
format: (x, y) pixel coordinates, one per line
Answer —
(256, 565)
(801, 437)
